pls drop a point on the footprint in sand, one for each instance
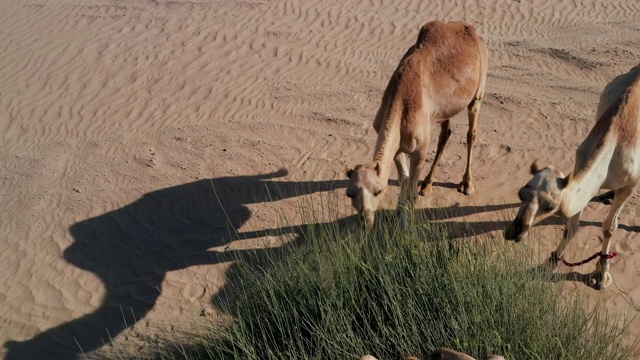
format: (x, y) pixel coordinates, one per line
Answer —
(194, 292)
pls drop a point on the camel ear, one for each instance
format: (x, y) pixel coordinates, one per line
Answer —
(563, 182)
(377, 169)
(535, 167)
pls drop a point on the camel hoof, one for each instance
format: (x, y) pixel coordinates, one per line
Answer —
(600, 282)
(466, 188)
(553, 261)
(606, 281)
(425, 190)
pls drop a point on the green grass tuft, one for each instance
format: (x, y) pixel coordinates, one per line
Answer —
(341, 292)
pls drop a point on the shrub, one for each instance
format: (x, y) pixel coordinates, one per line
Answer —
(340, 292)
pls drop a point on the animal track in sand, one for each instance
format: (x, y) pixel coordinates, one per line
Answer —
(194, 292)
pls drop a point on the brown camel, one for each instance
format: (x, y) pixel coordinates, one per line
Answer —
(438, 77)
(609, 158)
(443, 354)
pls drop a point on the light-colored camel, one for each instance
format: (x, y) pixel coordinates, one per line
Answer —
(441, 75)
(609, 158)
(443, 354)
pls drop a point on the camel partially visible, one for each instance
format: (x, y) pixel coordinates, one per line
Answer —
(608, 158)
(443, 353)
(438, 77)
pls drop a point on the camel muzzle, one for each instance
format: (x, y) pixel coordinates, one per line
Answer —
(515, 231)
(368, 217)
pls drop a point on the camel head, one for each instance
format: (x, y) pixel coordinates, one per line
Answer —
(540, 197)
(364, 190)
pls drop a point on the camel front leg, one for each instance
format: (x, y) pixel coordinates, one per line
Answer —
(466, 186)
(445, 133)
(601, 276)
(571, 228)
(401, 165)
(409, 193)
(403, 179)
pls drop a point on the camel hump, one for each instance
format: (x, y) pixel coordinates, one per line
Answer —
(438, 33)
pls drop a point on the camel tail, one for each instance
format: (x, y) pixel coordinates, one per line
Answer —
(484, 66)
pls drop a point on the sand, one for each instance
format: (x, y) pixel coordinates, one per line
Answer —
(144, 142)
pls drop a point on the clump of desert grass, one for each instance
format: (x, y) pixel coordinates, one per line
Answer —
(340, 291)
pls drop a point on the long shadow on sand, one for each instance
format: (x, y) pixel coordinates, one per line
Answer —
(131, 249)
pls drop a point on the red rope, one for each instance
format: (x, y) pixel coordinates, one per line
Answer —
(610, 255)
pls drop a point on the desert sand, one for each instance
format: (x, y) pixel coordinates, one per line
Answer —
(144, 143)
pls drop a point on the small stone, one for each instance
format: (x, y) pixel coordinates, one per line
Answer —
(76, 189)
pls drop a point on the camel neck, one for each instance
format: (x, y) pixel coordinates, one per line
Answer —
(386, 148)
(585, 181)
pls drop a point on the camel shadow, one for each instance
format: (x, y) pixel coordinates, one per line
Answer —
(465, 228)
(445, 185)
(574, 276)
(132, 248)
(544, 272)
(598, 224)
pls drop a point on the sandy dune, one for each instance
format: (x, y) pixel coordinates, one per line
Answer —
(142, 142)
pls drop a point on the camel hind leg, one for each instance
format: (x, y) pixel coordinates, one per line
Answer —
(466, 186)
(601, 276)
(445, 133)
